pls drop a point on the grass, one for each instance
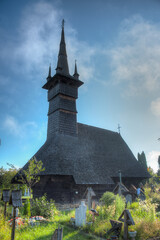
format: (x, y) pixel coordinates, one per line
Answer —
(144, 214)
(45, 232)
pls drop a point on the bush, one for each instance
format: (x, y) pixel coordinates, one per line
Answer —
(147, 229)
(27, 208)
(42, 207)
(143, 209)
(5, 230)
(108, 198)
(156, 200)
(119, 205)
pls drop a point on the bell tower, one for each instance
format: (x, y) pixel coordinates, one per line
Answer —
(62, 94)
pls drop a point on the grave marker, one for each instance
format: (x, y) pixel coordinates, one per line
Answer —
(80, 215)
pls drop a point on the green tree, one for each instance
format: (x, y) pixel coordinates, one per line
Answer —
(142, 160)
(159, 162)
(6, 176)
(27, 208)
(30, 176)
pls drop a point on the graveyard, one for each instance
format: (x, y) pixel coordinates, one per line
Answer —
(116, 215)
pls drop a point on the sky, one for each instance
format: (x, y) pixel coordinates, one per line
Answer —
(117, 47)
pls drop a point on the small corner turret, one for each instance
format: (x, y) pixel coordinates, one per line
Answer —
(49, 73)
(75, 75)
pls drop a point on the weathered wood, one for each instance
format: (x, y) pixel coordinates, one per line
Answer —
(16, 198)
(5, 209)
(128, 220)
(58, 234)
(90, 194)
(130, 217)
(13, 224)
(125, 236)
(5, 195)
(116, 227)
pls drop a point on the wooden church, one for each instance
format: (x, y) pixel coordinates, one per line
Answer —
(77, 156)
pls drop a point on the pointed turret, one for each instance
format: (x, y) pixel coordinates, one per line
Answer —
(62, 64)
(49, 73)
(76, 75)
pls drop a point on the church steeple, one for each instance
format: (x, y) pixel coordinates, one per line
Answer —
(76, 75)
(62, 64)
(62, 94)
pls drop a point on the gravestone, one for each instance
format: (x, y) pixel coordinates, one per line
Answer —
(128, 198)
(80, 216)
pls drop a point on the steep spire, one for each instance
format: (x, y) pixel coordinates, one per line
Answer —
(49, 73)
(76, 75)
(62, 64)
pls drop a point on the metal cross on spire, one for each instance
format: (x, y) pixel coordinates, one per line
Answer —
(119, 128)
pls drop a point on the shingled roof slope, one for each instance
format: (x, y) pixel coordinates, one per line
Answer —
(93, 157)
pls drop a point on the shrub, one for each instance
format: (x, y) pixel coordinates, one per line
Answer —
(134, 205)
(146, 229)
(42, 207)
(119, 205)
(156, 199)
(26, 208)
(5, 231)
(143, 209)
(108, 198)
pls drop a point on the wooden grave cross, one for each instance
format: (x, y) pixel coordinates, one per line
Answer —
(116, 227)
(58, 234)
(128, 220)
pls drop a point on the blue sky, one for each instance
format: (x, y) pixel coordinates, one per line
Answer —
(117, 47)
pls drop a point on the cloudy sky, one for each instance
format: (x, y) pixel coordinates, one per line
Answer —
(117, 47)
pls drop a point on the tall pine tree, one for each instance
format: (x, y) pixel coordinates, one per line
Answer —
(142, 160)
(158, 172)
(159, 162)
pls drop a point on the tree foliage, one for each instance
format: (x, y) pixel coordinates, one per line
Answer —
(108, 198)
(159, 162)
(142, 160)
(26, 208)
(30, 176)
(6, 176)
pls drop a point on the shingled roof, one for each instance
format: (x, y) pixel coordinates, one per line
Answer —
(93, 157)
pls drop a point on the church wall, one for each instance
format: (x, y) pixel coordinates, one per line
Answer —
(63, 189)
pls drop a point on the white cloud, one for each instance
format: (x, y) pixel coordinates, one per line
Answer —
(155, 107)
(135, 58)
(38, 43)
(152, 159)
(13, 127)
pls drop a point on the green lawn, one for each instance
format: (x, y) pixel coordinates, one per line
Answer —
(45, 231)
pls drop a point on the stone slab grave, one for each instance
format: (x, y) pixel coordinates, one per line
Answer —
(80, 215)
